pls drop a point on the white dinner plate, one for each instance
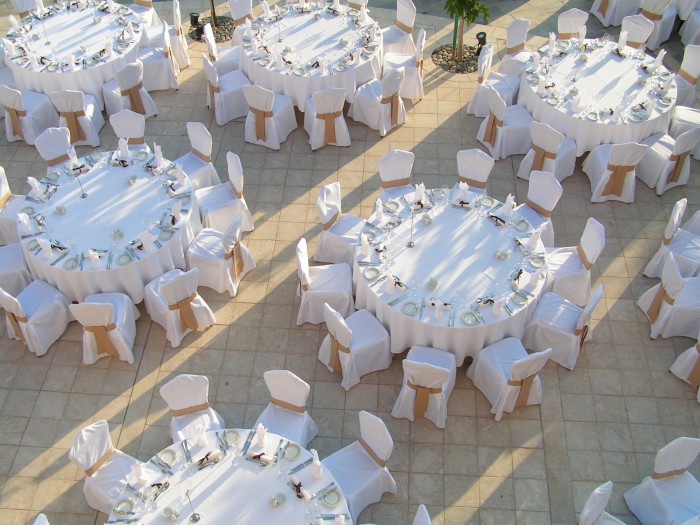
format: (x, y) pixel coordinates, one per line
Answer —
(665, 101)
(592, 116)
(32, 245)
(52, 67)
(487, 201)
(470, 319)
(28, 210)
(519, 298)
(140, 155)
(123, 45)
(370, 235)
(635, 117)
(331, 498)
(392, 206)
(71, 264)
(263, 61)
(23, 61)
(371, 272)
(166, 235)
(339, 67)
(168, 457)
(522, 225)
(536, 261)
(410, 308)
(552, 101)
(124, 259)
(292, 452)
(298, 71)
(533, 79)
(123, 10)
(53, 175)
(124, 507)
(353, 12)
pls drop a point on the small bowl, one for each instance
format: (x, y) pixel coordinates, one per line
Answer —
(427, 220)
(277, 500)
(131, 180)
(169, 513)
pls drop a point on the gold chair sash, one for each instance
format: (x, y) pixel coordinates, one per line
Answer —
(395, 183)
(679, 161)
(525, 386)
(515, 49)
(481, 79)
(24, 14)
(178, 30)
(4, 199)
(655, 307)
(329, 125)
(168, 53)
(603, 9)
(394, 101)
(212, 99)
(617, 179)
(419, 65)
(136, 140)
(135, 101)
(582, 333)
(14, 322)
(327, 225)
(334, 362)
(58, 160)
(420, 405)
(238, 194)
(200, 155)
(260, 117)
(288, 406)
(662, 475)
(237, 265)
(636, 45)
(694, 376)
(492, 125)
(472, 182)
(304, 287)
(104, 343)
(650, 16)
(403, 27)
(190, 410)
(187, 318)
(240, 21)
(539, 209)
(540, 155)
(14, 115)
(566, 36)
(586, 263)
(379, 461)
(687, 76)
(103, 459)
(665, 241)
(76, 130)
(144, 3)
(353, 5)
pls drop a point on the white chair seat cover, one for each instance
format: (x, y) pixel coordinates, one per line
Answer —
(474, 165)
(570, 21)
(324, 102)
(396, 166)
(656, 166)
(413, 65)
(91, 123)
(337, 242)
(184, 392)
(9, 211)
(148, 15)
(593, 512)
(513, 136)
(685, 119)
(202, 173)
(686, 91)
(615, 12)
(686, 362)
(14, 274)
(40, 113)
(52, 144)
(225, 60)
(128, 124)
(515, 62)
(544, 191)
(551, 141)
(664, 26)
(684, 245)
(507, 86)
(277, 127)
(396, 39)
(596, 167)
(129, 76)
(638, 27)
(368, 108)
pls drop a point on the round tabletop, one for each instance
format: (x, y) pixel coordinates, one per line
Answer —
(598, 96)
(465, 257)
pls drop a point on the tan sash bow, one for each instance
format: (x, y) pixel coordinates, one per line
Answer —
(190, 410)
(240, 21)
(515, 49)
(89, 472)
(58, 160)
(238, 194)
(178, 30)
(566, 36)
(144, 3)
(539, 209)
(420, 405)
(14, 322)
(200, 155)
(655, 307)
(525, 385)
(540, 155)
(492, 125)
(687, 76)
(76, 130)
(104, 343)
(617, 179)
(288, 406)
(14, 115)
(24, 14)
(135, 101)
(260, 117)
(679, 160)
(136, 140)
(187, 318)
(353, 5)
(403, 27)
(394, 101)
(212, 99)
(327, 225)
(419, 65)
(334, 362)
(650, 16)
(237, 265)
(304, 287)
(582, 333)
(662, 475)
(586, 263)
(603, 9)
(694, 376)
(4, 199)
(636, 45)
(395, 183)
(476, 183)
(379, 461)
(329, 125)
(168, 53)
(481, 79)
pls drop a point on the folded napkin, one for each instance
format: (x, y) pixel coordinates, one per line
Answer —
(390, 286)
(146, 238)
(140, 474)
(535, 276)
(179, 174)
(71, 63)
(363, 14)
(201, 436)
(130, 31)
(108, 47)
(622, 42)
(23, 219)
(94, 259)
(35, 186)
(420, 193)
(508, 206)
(9, 48)
(110, 4)
(73, 156)
(552, 42)
(582, 34)
(45, 247)
(260, 431)
(658, 62)
(542, 86)
(463, 191)
(498, 305)
(379, 211)
(667, 85)
(300, 491)
(123, 150)
(32, 59)
(316, 467)
(364, 245)
(13, 23)
(535, 57)
(615, 117)
(339, 519)
(531, 242)
(259, 456)
(158, 154)
(266, 8)
(40, 9)
(439, 307)
(254, 47)
(279, 61)
(176, 213)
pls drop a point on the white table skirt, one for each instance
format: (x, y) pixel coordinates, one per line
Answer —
(67, 32)
(89, 224)
(238, 493)
(607, 81)
(309, 39)
(458, 250)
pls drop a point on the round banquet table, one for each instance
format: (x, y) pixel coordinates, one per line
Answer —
(109, 219)
(605, 81)
(67, 32)
(458, 250)
(308, 37)
(233, 490)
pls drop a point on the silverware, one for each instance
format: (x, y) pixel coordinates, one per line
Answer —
(82, 259)
(510, 312)
(131, 250)
(222, 447)
(325, 489)
(109, 259)
(60, 258)
(275, 456)
(186, 450)
(301, 466)
(521, 290)
(367, 263)
(160, 467)
(326, 517)
(31, 235)
(377, 280)
(32, 199)
(248, 439)
(422, 307)
(451, 320)
(398, 299)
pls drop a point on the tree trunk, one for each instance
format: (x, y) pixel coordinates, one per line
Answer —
(213, 13)
(460, 40)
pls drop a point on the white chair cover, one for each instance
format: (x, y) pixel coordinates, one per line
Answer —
(340, 232)
(92, 448)
(543, 194)
(395, 173)
(171, 288)
(668, 496)
(24, 6)
(684, 119)
(326, 102)
(240, 11)
(10, 206)
(39, 114)
(330, 284)
(690, 30)
(224, 60)
(593, 512)
(366, 340)
(474, 167)
(126, 80)
(551, 151)
(279, 118)
(427, 369)
(665, 164)
(222, 258)
(131, 126)
(38, 316)
(413, 83)
(117, 312)
(638, 29)
(398, 38)
(693, 224)
(225, 93)
(362, 476)
(512, 136)
(54, 147)
(684, 245)
(187, 397)
(687, 365)
(568, 274)
(286, 415)
(41, 519)
(664, 25)
(604, 186)
(611, 12)
(160, 67)
(177, 35)
(507, 86)
(569, 22)
(369, 109)
(69, 102)
(14, 274)
(686, 78)
(145, 11)
(422, 517)
(517, 58)
(507, 362)
(197, 163)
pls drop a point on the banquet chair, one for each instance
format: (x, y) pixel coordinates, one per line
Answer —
(360, 468)
(286, 414)
(474, 167)
(665, 164)
(145, 11)
(560, 325)
(569, 268)
(543, 194)
(107, 469)
(109, 326)
(241, 10)
(331, 283)
(225, 93)
(506, 130)
(687, 366)
(395, 173)
(398, 38)
(611, 170)
(671, 494)
(517, 58)
(24, 7)
(551, 151)
(639, 29)
(152, 36)
(692, 225)
(593, 512)
(673, 305)
(339, 232)
(378, 103)
(422, 516)
(684, 245)
(196, 163)
(412, 87)
(14, 274)
(41, 519)
(690, 30)
(222, 258)
(187, 397)
(37, 316)
(507, 86)
(10, 206)
(569, 23)
(323, 118)
(611, 12)
(27, 114)
(172, 301)
(126, 91)
(507, 375)
(81, 115)
(270, 117)
(224, 60)
(54, 147)
(355, 346)
(429, 376)
(684, 119)
(160, 69)
(132, 127)
(662, 14)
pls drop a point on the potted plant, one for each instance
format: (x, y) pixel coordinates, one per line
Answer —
(462, 10)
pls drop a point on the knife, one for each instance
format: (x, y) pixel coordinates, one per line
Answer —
(186, 449)
(60, 258)
(277, 452)
(398, 299)
(325, 489)
(378, 280)
(422, 307)
(161, 467)
(32, 199)
(301, 466)
(109, 259)
(82, 259)
(222, 447)
(246, 445)
(31, 235)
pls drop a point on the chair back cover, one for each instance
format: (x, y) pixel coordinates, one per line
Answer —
(596, 503)
(628, 154)
(544, 189)
(686, 141)
(166, 35)
(406, 12)
(177, 17)
(303, 262)
(210, 40)
(671, 277)
(235, 171)
(420, 44)
(529, 365)
(210, 72)
(128, 124)
(93, 314)
(691, 60)
(90, 445)
(130, 75)
(638, 27)
(656, 7)
(545, 137)
(232, 235)
(425, 374)
(376, 435)
(587, 312)
(570, 21)
(4, 187)
(396, 165)
(41, 519)
(328, 100)
(240, 8)
(422, 517)
(258, 97)
(200, 138)
(68, 100)
(185, 391)
(474, 164)
(485, 61)
(53, 143)
(10, 98)
(592, 240)
(11, 304)
(180, 287)
(392, 82)
(497, 105)
(674, 221)
(337, 326)
(328, 203)
(516, 33)
(286, 386)
(679, 454)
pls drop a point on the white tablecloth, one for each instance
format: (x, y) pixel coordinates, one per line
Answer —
(235, 492)
(605, 81)
(68, 31)
(308, 40)
(112, 203)
(458, 249)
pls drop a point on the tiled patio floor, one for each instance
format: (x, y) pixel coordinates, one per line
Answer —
(603, 421)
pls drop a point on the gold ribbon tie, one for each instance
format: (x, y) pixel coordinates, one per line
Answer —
(14, 115)
(662, 475)
(240, 21)
(4, 199)
(334, 362)
(144, 3)
(617, 179)
(636, 45)
(200, 155)
(582, 333)
(403, 27)
(379, 461)
(472, 182)
(687, 76)
(486, 74)
(288, 406)
(238, 194)
(212, 99)
(650, 16)
(327, 225)
(237, 266)
(190, 410)
(586, 263)
(655, 307)
(515, 49)
(187, 318)
(76, 130)
(260, 117)
(679, 161)
(136, 140)
(58, 160)
(540, 155)
(492, 125)
(566, 36)
(14, 322)
(353, 5)
(135, 101)
(539, 209)
(420, 404)
(104, 343)
(394, 183)
(525, 386)
(329, 126)
(394, 101)
(603, 9)
(103, 459)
